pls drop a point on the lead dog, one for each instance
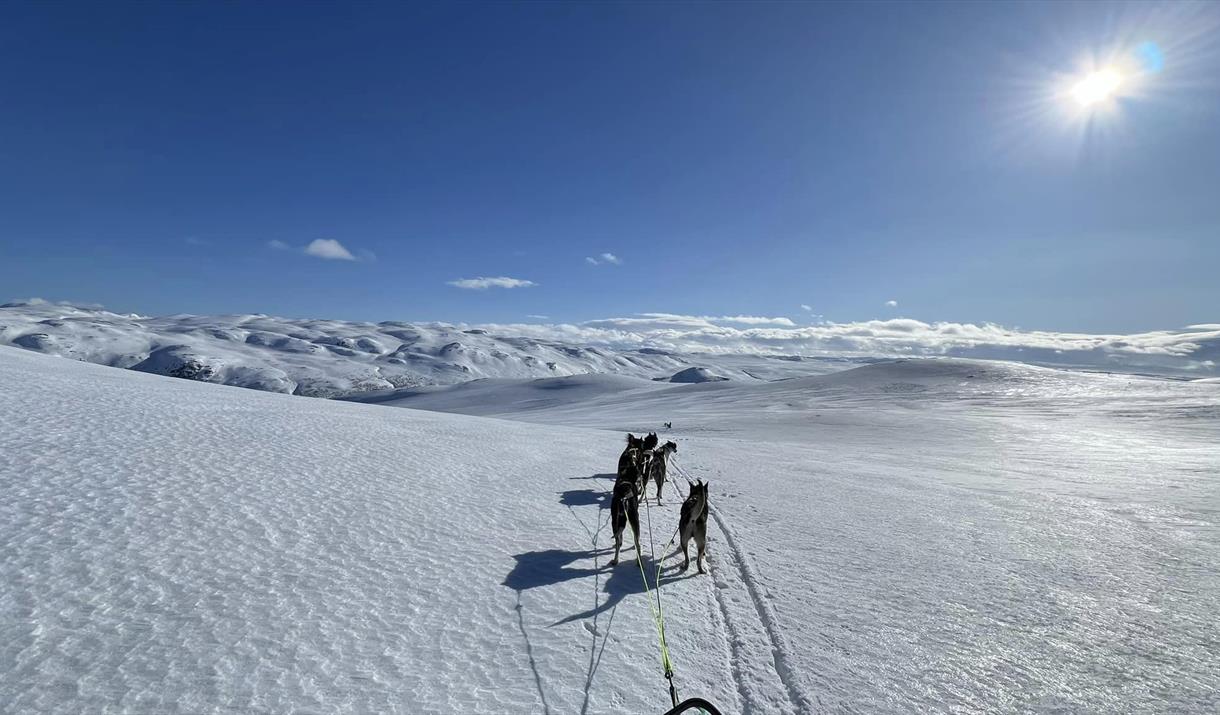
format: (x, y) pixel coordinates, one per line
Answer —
(693, 523)
(625, 509)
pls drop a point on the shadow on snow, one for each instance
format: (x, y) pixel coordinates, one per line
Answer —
(547, 567)
(585, 497)
(608, 476)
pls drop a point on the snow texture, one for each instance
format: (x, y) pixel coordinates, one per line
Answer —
(911, 536)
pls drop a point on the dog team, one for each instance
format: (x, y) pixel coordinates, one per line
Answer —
(643, 461)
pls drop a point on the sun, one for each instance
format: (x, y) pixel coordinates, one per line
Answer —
(1097, 87)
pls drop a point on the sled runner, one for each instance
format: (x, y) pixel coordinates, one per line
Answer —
(696, 705)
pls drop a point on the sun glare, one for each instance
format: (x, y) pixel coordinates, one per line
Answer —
(1096, 87)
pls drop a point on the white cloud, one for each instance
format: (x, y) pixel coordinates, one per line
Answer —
(482, 283)
(609, 258)
(538, 317)
(40, 302)
(891, 303)
(1179, 349)
(326, 248)
(752, 320)
(667, 321)
(806, 308)
(329, 249)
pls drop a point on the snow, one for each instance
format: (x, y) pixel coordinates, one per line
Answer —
(333, 358)
(696, 374)
(510, 397)
(907, 536)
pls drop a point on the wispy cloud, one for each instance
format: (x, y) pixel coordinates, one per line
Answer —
(279, 245)
(40, 302)
(891, 304)
(665, 321)
(538, 317)
(807, 308)
(482, 283)
(751, 320)
(604, 258)
(196, 241)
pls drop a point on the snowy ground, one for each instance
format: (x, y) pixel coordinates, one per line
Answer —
(919, 536)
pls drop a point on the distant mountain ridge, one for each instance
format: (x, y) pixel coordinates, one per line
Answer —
(333, 358)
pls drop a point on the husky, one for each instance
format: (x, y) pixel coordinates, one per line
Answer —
(657, 466)
(624, 510)
(669, 425)
(650, 442)
(635, 462)
(693, 522)
(631, 455)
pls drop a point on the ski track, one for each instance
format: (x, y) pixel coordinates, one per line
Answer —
(781, 663)
(767, 627)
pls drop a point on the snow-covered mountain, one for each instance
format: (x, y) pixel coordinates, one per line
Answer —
(332, 358)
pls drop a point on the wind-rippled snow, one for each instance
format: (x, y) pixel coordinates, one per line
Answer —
(922, 536)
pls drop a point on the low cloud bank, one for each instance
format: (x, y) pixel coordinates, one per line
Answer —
(1191, 350)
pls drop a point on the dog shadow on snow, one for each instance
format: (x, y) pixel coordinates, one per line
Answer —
(610, 584)
(547, 567)
(585, 497)
(609, 476)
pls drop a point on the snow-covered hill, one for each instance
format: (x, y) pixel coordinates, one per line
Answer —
(695, 374)
(917, 536)
(331, 358)
(783, 409)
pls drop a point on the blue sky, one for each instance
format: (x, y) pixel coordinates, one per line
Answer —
(734, 159)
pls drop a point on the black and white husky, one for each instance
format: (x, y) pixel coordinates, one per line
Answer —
(624, 510)
(634, 462)
(657, 466)
(629, 460)
(693, 523)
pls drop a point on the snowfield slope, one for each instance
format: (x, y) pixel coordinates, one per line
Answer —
(170, 546)
(918, 536)
(950, 535)
(334, 358)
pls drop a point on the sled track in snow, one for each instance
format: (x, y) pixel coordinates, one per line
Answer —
(735, 644)
(781, 662)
